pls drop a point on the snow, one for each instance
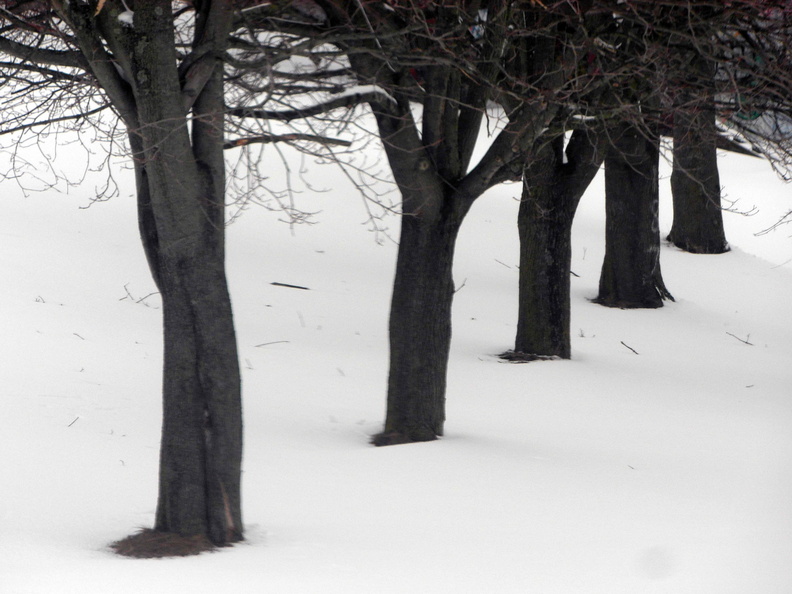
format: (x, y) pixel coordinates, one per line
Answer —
(665, 471)
(127, 18)
(359, 90)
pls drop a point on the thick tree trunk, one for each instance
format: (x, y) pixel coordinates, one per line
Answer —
(552, 190)
(695, 185)
(200, 456)
(544, 288)
(420, 330)
(201, 450)
(631, 275)
(431, 171)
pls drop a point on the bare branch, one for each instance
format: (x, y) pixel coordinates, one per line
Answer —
(50, 121)
(347, 100)
(270, 138)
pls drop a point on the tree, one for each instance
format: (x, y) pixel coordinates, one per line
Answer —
(172, 104)
(443, 62)
(695, 183)
(689, 63)
(449, 61)
(553, 183)
(631, 275)
(682, 46)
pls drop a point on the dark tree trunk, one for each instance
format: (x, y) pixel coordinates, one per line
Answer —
(423, 289)
(146, 223)
(544, 287)
(180, 184)
(438, 187)
(201, 450)
(631, 275)
(200, 456)
(695, 185)
(552, 190)
(420, 330)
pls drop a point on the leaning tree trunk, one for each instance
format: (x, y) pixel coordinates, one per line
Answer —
(552, 189)
(201, 450)
(695, 185)
(420, 330)
(631, 275)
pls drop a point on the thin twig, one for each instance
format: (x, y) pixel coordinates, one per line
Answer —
(55, 120)
(629, 347)
(143, 299)
(273, 342)
(73, 422)
(288, 286)
(741, 340)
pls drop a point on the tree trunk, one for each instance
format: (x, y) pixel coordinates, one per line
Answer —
(544, 287)
(631, 275)
(552, 190)
(420, 330)
(430, 168)
(200, 456)
(147, 226)
(201, 450)
(695, 185)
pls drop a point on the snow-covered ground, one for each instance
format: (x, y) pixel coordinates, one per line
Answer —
(666, 471)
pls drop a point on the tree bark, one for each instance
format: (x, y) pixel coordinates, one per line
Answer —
(433, 173)
(552, 190)
(420, 316)
(180, 184)
(695, 185)
(201, 450)
(420, 330)
(147, 226)
(631, 275)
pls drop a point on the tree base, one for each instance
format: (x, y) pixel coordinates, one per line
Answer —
(713, 248)
(521, 357)
(387, 438)
(620, 304)
(153, 544)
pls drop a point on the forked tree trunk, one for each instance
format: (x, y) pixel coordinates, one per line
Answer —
(552, 190)
(432, 170)
(631, 275)
(201, 450)
(180, 184)
(695, 186)
(420, 330)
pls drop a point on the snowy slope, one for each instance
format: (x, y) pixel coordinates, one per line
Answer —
(615, 473)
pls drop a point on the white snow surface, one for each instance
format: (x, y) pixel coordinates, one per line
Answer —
(666, 471)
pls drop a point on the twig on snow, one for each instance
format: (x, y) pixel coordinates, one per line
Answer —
(740, 339)
(288, 286)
